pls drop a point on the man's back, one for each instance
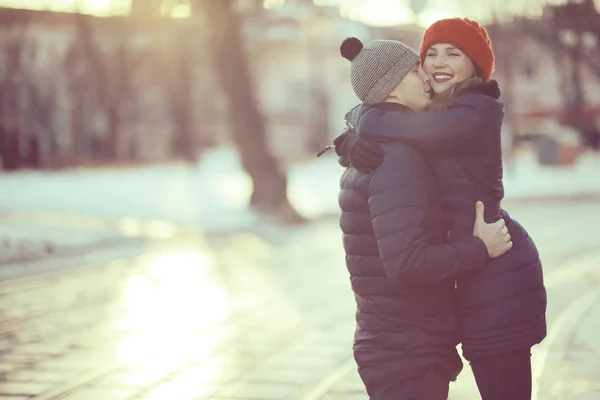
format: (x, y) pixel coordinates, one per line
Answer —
(406, 323)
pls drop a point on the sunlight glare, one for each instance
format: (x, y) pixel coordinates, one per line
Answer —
(97, 7)
(181, 11)
(167, 311)
(431, 15)
(268, 4)
(234, 190)
(378, 12)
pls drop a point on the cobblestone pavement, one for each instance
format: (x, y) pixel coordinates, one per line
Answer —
(257, 317)
(27, 236)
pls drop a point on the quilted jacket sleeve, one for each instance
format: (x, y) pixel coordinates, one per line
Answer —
(399, 208)
(448, 132)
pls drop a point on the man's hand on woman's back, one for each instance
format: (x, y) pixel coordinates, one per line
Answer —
(495, 236)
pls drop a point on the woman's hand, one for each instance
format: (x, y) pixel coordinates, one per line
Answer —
(495, 236)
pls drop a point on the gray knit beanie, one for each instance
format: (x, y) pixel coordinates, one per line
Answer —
(377, 68)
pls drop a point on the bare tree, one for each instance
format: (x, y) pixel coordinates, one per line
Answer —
(41, 90)
(105, 75)
(180, 88)
(248, 128)
(14, 41)
(146, 8)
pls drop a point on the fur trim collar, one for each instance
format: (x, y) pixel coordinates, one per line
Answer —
(470, 86)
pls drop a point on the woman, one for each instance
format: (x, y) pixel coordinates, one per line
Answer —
(502, 306)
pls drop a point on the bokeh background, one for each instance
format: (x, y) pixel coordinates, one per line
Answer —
(167, 231)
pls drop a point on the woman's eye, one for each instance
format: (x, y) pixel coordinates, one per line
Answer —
(430, 55)
(454, 54)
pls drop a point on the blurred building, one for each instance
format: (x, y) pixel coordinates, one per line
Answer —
(550, 72)
(302, 80)
(87, 88)
(141, 88)
(77, 88)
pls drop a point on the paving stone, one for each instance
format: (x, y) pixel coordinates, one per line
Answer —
(208, 373)
(132, 378)
(15, 357)
(307, 362)
(92, 393)
(295, 376)
(241, 330)
(22, 389)
(345, 396)
(351, 384)
(259, 391)
(71, 363)
(7, 368)
(180, 389)
(42, 376)
(15, 397)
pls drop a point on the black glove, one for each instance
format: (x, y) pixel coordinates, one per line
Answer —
(338, 145)
(358, 152)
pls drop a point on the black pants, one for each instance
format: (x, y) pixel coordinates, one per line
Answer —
(431, 386)
(503, 377)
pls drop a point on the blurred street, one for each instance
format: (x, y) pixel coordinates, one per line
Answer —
(167, 233)
(257, 315)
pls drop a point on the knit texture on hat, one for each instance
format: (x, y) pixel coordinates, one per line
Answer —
(465, 34)
(378, 67)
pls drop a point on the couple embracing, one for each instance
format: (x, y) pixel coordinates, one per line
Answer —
(434, 259)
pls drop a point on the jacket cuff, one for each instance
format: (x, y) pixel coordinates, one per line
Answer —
(474, 253)
(344, 161)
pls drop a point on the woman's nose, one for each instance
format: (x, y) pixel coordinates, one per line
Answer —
(439, 62)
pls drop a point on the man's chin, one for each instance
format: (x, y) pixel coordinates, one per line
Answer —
(422, 107)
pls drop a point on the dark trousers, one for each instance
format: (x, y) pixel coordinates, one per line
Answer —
(503, 377)
(431, 386)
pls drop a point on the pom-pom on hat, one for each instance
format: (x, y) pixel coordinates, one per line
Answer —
(350, 48)
(377, 67)
(465, 34)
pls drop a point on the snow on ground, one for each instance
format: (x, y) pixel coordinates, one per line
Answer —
(214, 194)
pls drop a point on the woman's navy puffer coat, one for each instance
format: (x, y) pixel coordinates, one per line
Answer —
(401, 270)
(502, 306)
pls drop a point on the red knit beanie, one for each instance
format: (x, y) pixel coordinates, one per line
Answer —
(468, 36)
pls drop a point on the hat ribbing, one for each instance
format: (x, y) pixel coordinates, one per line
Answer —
(378, 67)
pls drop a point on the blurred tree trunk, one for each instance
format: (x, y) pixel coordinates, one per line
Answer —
(98, 71)
(181, 85)
(248, 129)
(14, 41)
(145, 8)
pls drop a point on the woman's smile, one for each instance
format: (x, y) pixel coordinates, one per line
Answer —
(441, 77)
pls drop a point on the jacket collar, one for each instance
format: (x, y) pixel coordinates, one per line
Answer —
(392, 107)
(354, 115)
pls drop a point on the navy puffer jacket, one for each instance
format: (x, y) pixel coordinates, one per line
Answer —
(402, 271)
(502, 307)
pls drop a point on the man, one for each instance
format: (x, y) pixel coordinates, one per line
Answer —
(402, 271)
